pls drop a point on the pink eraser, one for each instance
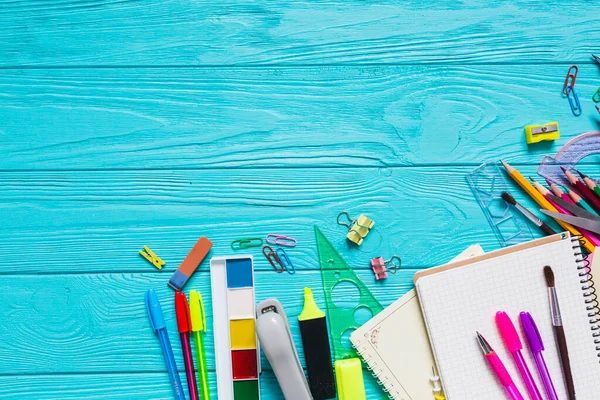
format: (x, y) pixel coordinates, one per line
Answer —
(508, 332)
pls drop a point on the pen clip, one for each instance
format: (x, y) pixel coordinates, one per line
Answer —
(149, 307)
(197, 314)
(532, 332)
(202, 313)
(182, 312)
(536, 330)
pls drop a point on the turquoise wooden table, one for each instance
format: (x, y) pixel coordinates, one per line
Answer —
(128, 123)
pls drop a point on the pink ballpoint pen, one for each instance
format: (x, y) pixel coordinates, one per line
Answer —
(499, 369)
(514, 346)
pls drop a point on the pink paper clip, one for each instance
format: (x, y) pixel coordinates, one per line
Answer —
(280, 240)
(379, 266)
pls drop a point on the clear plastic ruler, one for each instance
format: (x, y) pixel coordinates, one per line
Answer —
(568, 156)
(487, 183)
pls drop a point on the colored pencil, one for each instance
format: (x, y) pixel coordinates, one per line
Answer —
(579, 201)
(555, 189)
(590, 184)
(591, 237)
(542, 201)
(586, 193)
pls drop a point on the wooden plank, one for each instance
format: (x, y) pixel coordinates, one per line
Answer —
(71, 222)
(126, 386)
(274, 118)
(98, 323)
(234, 32)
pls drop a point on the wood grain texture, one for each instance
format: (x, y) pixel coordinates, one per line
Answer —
(83, 323)
(273, 118)
(70, 222)
(125, 386)
(127, 123)
(291, 32)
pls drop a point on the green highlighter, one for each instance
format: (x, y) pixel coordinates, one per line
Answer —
(317, 352)
(198, 318)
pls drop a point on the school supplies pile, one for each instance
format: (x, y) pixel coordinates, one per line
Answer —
(576, 209)
(459, 299)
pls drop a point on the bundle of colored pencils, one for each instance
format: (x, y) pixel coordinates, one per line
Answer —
(583, 193)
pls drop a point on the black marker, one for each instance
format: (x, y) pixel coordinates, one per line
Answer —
(317, 352)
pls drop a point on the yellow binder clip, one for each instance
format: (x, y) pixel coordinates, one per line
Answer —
(358, 229)
(152, 258)
(538, 133)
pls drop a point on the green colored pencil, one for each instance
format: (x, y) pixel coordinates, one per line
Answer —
(590, 184)
(579, 201)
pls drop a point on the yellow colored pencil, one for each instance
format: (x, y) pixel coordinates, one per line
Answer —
(542, 201)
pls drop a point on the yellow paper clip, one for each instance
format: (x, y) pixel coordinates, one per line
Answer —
(358, 229)
(349, 378)
(538, 133)
(151, 257)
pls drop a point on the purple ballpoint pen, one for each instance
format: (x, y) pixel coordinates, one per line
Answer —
(184, 326)
(536, 346)
(513, 345)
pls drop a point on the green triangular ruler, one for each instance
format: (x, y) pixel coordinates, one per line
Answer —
(335, 270)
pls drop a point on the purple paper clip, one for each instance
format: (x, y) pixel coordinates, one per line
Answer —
(280, 240)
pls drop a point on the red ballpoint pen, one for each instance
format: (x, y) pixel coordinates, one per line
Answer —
(184, 326)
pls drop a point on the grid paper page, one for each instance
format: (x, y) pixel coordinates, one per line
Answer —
(395, 345)
(458, 302)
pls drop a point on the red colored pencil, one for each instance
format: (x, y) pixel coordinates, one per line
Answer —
(593, 239)
(586, 193)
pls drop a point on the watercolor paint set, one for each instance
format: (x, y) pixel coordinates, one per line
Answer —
(237, 353)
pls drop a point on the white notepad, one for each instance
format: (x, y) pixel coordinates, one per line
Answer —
(461, 298)
(395, 346)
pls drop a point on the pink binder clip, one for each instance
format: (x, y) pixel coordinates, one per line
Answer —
(379, 266)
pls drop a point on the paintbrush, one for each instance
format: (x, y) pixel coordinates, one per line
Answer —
(528, 214)
(559, 332)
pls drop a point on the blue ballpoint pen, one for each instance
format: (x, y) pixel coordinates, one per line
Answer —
(159, 326)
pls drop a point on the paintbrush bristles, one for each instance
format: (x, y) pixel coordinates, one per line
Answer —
(508, 198)
(549, 274)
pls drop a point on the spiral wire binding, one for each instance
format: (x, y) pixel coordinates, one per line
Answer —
(387, 386)
(589, 290)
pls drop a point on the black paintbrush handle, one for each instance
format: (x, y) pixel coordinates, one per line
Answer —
(561, 340)
(547, 229)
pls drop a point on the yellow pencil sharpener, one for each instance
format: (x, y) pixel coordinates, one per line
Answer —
(538, 133)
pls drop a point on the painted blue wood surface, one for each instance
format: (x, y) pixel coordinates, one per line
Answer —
(127, 123)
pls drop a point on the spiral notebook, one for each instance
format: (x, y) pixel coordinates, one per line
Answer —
(395, 346)
(461, 298)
